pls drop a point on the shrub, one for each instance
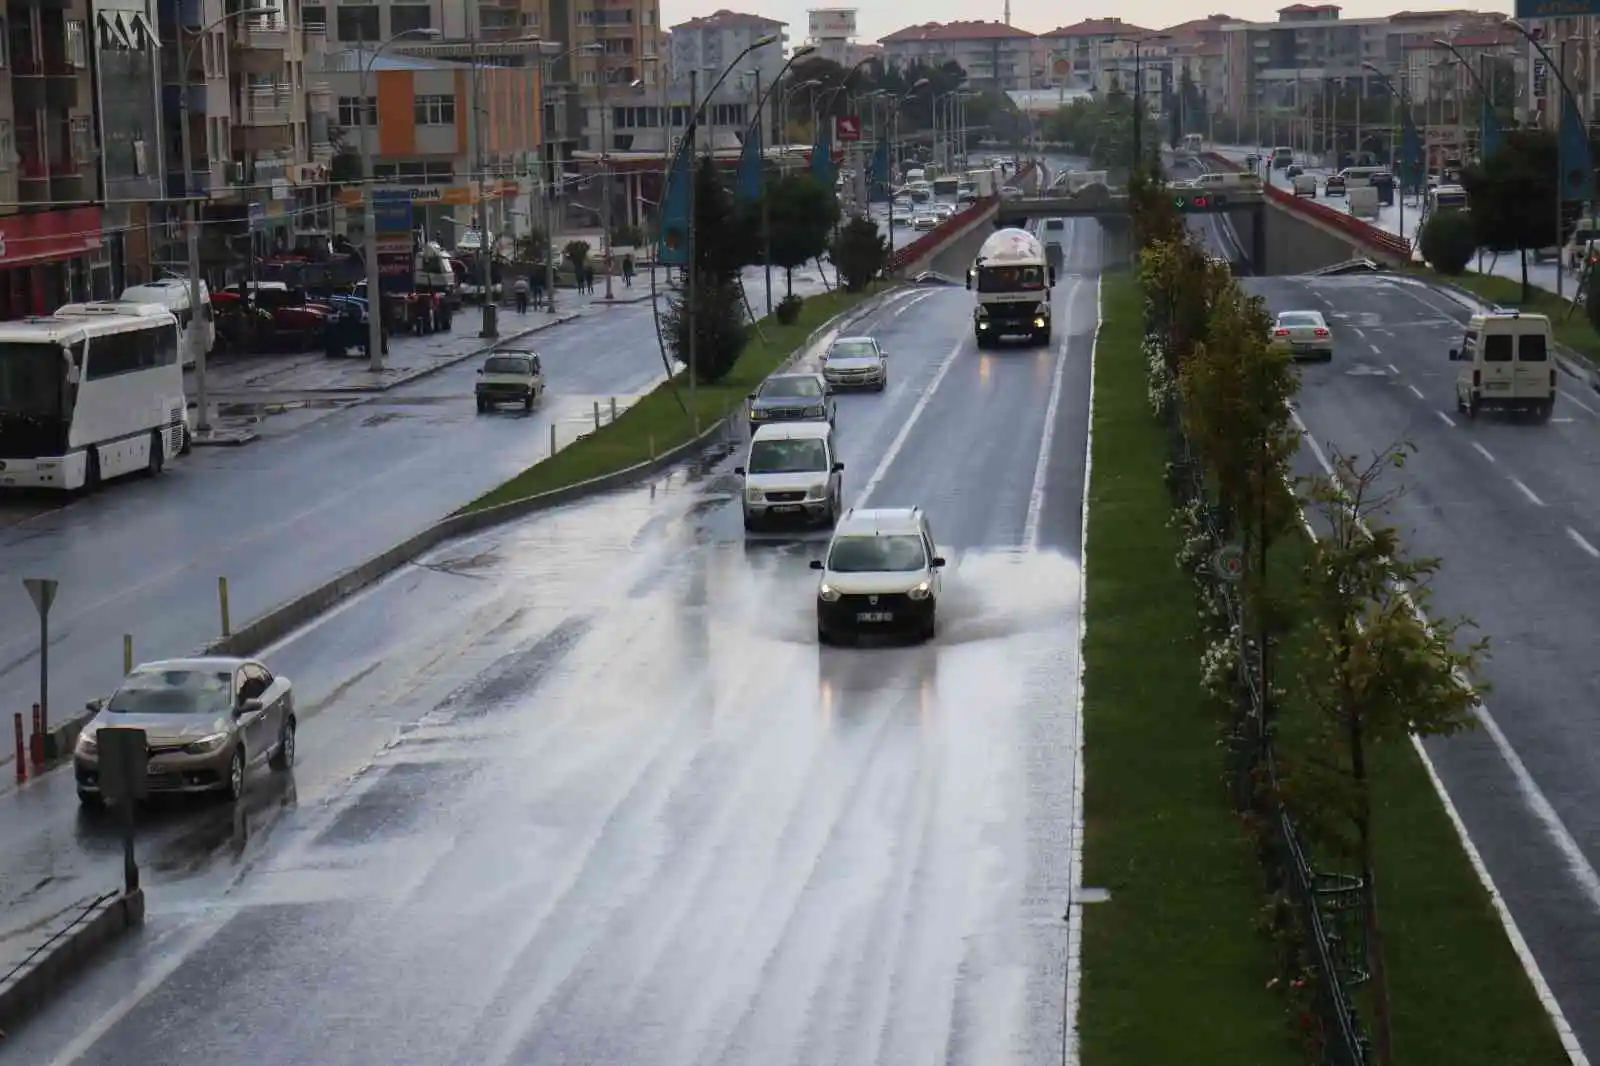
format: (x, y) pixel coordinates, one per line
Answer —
(788, 309)
(1449, 240)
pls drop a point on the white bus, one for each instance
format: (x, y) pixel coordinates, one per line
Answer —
(173, 294)
(1192, 143)
(89, 393)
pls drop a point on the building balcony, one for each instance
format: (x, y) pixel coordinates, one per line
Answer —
(322, 152)
(261, 44)
(265, 107)
(263, 126)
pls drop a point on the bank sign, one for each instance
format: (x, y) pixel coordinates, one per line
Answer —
(434, 194)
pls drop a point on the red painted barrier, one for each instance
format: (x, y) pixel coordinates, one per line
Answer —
(1358, 230)
(22, 749)
(933, 238)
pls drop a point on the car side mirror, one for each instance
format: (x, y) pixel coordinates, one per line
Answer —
(739, 470)
(248, 707)
(938, 562)
(480, 370)
(816, 564)
(94, 706)
(838, 468)
(969, 281)
(1052, 275)
(751, 397)
(1455, 354)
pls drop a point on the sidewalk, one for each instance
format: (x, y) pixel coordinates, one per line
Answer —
(1540, 275)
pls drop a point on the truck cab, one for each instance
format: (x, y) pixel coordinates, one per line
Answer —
(1012, 278)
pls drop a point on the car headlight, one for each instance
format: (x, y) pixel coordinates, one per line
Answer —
(757, 414)
(827, 593)
(86, 744)
(814, 412)
(753, 495)
(1038, 323)
(817, 491)
(206, 745)
(921, 592)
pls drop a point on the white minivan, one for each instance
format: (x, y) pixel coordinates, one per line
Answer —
(173, 294)
(793, 475)
(1506, 360)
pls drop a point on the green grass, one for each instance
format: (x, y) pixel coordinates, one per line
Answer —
(1575, 331)
(1457, 992)
(1174, 969)
(656, 423)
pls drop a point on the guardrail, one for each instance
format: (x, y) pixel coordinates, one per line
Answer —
(1378, 239)
(924, 244)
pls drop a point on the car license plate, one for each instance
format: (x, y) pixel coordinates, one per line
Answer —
(785, 508)
(875, 616)
(1499, 384)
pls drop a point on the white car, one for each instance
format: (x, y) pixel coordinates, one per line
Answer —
(792, 474)
(510, 377)
(882, 574)
(925, 220)
(856, 363)
(942, 211)
(1306, 333)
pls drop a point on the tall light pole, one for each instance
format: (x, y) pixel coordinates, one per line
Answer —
(1138, 89)
(783, 104)
(757, 122)
(1403, 105)
(369, 196)
(894, 144)
(192, 212)
(546, 68)
(1559, 70)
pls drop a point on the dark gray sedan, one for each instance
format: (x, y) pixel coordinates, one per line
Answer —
(791, 398)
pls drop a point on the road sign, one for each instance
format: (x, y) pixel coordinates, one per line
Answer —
(847, 128)
(43, 592)
(1228, 563)
(391, 211)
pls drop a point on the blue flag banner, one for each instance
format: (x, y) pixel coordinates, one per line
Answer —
(1577, 168)
(673, 248)
(1490, 136)
(878, 174)
(1412, 168)
(747, 183)
(822, 154)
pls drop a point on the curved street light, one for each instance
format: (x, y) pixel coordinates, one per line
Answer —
(192, 210)
(894, 143)
(757, 122)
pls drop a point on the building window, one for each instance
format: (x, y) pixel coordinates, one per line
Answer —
(77, 45)
(82, 139)
(587, 77)
(728, 115)
(8, 145)
(404, 18)
(314, 19)
(435, 110)
(383, 172)
(353, 114)
(357, 24)
(530, 20)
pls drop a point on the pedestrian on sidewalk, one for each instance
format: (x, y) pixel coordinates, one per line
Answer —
(538, 286)
(520, 289)
(627, 270)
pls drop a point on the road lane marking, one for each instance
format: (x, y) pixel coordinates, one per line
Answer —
(909, 304)
(1377, 351)
(1416, 392)
(899, 442)
(1041, 468)
(1533, 798)
(1526, 491)
(1445, 418)
(1391, 366)
(1481, 450)
(1581, 541)
(1577, 401)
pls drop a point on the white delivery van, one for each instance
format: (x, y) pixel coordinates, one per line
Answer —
(1362, 202)
(1305, 185)
(1506, 360)
(173, 294)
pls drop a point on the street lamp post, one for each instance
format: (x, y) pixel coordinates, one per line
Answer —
(1138, 90)
(192, 213)
(1402, 105)
(894, 145)
(369, 207)
(1559, 70)
(546, 67)
(758, 122)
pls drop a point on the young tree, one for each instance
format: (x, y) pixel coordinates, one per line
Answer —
(801, 213)
(1449, 240)
(1375, 673)
(860, 253)
(1512, 196)
(715, 319)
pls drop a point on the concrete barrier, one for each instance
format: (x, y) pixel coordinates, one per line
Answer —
(983, 218)
(284, 619)
(64, 953)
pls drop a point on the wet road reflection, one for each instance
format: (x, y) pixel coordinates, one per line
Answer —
(586, 788)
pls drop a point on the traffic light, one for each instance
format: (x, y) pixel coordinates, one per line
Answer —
(1199, 201)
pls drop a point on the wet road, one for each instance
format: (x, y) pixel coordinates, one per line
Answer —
(1513, 510)
(586, 789)
(327, 489)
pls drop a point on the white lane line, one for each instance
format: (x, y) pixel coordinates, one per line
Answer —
(1573, 399)
(1537, 803)
(909, 304)
(1391, 366)
(1446, 419)
(1041, 467)
(1581, 541)
(1377, 351)
(1526, 491)
(1416, 392)
(910, 423)
(1074, 980)
(1481, 450)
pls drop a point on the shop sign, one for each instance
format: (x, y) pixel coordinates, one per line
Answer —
(49, 235)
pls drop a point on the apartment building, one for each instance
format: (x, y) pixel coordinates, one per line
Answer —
(1103, 54)
(994, 55)
(411, 118)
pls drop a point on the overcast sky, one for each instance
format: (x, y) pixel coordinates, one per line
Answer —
(1036, 16)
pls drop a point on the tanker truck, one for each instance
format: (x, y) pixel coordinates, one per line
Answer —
(1012, 279)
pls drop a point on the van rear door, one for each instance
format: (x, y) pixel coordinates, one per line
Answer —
(1498, 365)
(1533, 373)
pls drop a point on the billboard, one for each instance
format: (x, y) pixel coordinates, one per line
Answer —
(832, 23)
(847, 128)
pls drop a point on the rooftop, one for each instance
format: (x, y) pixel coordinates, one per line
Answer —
(1098, 28)
(724, 19)
(957, 31)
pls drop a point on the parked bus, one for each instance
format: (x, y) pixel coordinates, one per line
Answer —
(92, 392)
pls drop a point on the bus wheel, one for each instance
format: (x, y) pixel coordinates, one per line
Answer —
(158, 454)
(91, 471)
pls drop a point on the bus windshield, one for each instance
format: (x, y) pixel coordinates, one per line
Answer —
(32, 377)
(1010, 278)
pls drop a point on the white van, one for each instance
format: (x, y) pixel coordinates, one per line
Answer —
(1507, 360)
(793, 474)
(173, 294)
(1222, 180)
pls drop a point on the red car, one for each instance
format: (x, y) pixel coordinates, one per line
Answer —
(297, 322)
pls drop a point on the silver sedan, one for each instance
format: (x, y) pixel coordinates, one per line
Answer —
(1306, 334)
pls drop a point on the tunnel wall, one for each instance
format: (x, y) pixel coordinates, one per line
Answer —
(1296, 244)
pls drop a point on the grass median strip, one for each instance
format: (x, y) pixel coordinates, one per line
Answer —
(1174, 970)
(657, 424)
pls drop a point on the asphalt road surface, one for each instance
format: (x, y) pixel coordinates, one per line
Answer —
(1512, 509)
(586, 789)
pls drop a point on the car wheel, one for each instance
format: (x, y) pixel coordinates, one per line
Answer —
(527, 403)
(749, 522)
(483, 408)
(283, 758)
(233, 788)
(823, 637)
(158, 454)
(883, 384)
(91, 800)
(931, 627)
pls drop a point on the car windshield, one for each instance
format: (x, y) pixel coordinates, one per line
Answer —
(508, 364)
(803, 456)
(1290, 320)
(853, 350)
(32, 379)
(900, 552)
(180, 691)
(791, 388)
(1010, 278)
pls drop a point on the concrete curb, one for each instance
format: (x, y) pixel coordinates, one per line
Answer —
(65, 953)
(280, 621)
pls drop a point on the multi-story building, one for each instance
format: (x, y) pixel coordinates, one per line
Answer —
(51, 249)
(410, 117)
(1197, 53)
(127, 99)
(708, 45)
(994, 55)
(1101, 54)
(831, 32)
